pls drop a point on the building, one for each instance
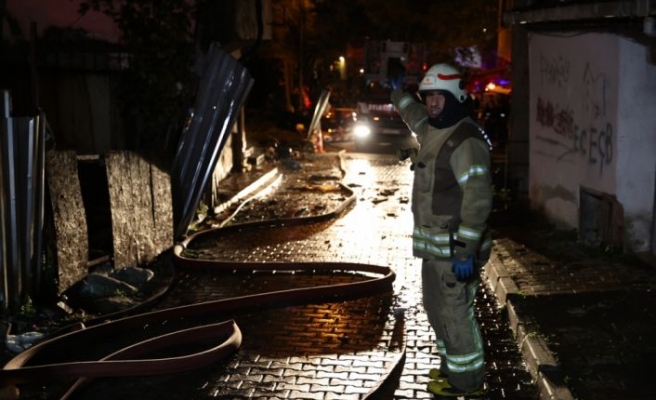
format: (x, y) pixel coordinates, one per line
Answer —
(583, 129)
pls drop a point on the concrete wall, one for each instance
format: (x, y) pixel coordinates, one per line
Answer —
(636, 143)
(592, 127)
(518, 133)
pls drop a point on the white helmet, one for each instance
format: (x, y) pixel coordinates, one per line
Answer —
(444, 77)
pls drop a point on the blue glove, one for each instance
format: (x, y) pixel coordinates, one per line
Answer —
(463, 266)
(396, 82)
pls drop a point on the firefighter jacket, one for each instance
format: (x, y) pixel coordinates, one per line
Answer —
(452, 187)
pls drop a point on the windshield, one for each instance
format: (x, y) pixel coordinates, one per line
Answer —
(377, 92)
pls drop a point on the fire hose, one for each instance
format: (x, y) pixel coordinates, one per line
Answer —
(226, 336)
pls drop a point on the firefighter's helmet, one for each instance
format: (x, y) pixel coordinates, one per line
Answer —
(444, 77)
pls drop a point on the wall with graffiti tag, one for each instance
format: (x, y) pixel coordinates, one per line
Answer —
(587, 113)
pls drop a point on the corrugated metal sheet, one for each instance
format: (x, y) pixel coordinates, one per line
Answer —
(319, 111)
(22, 157)
(224, 86)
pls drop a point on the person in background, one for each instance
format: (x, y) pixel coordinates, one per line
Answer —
(451, 204)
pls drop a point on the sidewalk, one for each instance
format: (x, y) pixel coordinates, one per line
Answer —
(585, 321)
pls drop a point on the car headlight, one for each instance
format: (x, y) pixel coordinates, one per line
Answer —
(361, 130)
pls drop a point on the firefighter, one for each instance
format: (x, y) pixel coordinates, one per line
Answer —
(451, 203)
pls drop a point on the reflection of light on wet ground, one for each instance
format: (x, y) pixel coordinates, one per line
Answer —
(383, 220)
(265, 192)
(291, 347)
(376, 229)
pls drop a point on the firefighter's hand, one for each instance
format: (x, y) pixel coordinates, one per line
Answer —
(395, 83)
(462, 266)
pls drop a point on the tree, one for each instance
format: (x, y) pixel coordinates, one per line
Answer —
(309, 35)
(158, 85)
(444, 25)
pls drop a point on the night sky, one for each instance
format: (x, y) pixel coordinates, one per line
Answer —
(60, 13)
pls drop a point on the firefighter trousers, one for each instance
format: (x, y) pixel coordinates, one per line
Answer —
(449, 306)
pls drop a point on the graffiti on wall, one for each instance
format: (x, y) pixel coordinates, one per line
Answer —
(554, 71)
(580, 128)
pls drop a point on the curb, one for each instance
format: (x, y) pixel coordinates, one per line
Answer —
(256, 185)
(539, 359)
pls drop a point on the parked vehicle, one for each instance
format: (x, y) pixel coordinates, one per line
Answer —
(378, 124)
(337, 124)
(493, 115)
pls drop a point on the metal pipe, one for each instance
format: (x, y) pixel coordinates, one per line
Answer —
(5, 101)
(26, 193)
(11, 272)
(39, 205)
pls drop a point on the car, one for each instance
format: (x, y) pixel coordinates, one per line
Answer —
(337, 124)
(379, 126)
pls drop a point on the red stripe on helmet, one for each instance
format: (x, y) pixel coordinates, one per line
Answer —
(448, 77)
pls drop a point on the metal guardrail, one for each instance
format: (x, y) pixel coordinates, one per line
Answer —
(22, 186)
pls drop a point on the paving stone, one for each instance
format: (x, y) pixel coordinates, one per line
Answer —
(334, 349)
